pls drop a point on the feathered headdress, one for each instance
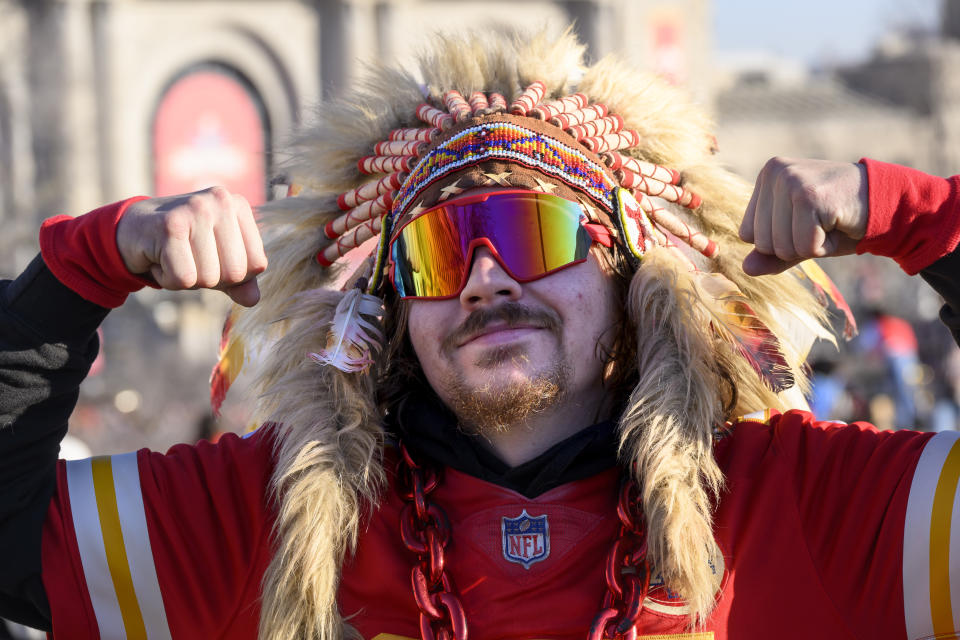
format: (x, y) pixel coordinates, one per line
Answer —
(519, 111)
(568, 146)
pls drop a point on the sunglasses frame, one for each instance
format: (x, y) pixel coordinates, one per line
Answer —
(597, 232)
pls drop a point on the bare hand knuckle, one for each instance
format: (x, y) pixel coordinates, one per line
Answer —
(177, 223)
(785, 252)
(177, 281)
(233, 274)
(207, 281)
(257, 265)
(198, 201)
(777, 164)
(220, 194)
(202, 208)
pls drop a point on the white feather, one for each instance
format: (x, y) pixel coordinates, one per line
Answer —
(354, 333)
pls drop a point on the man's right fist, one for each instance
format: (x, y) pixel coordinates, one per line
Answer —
(804, 209)
(206, 239)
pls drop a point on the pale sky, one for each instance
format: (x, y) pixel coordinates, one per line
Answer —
(814, 31)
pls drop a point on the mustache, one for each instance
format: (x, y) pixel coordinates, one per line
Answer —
(511, 314)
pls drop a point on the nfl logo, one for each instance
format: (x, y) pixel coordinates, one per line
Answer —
(525, 539)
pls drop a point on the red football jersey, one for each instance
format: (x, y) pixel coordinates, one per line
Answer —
(811, 524)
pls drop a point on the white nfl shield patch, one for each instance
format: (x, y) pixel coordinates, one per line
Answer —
(526, 539)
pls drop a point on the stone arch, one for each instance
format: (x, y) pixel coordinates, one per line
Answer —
(210, 126)
(226, 47)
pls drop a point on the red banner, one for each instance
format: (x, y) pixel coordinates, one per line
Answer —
(208, 131)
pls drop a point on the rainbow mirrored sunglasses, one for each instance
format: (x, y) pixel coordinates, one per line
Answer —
(531, 235)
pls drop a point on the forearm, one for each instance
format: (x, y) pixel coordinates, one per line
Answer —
(47, 343)
(48, 321)
(915, 219)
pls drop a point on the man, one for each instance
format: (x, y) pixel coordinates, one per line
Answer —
(541, 438)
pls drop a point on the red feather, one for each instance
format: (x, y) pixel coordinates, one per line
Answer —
(825, 289)
(735, 321)
(227, 368)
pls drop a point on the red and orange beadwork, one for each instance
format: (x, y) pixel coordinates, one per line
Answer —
(509, 142)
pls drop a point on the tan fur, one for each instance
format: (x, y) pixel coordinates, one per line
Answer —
(666, 431)
(328, 463)
(329, 447)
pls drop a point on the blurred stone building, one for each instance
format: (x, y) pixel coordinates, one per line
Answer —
(103, 99)
(819, 118)
(901, 105)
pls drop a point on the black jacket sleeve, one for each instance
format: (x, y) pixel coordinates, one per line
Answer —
(48, 341)
(944, 276)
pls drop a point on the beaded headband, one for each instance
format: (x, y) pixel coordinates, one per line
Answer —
(509, 140)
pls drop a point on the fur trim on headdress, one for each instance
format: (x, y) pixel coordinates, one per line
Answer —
(666, 433)
(329, 444)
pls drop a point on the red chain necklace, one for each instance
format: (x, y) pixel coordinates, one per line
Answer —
(425, 530)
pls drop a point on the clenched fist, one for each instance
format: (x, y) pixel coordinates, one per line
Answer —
(804, 209)
(207, 239)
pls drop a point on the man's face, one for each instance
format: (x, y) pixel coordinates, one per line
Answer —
(503, 348)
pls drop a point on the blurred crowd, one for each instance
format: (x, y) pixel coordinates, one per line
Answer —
(897, 373)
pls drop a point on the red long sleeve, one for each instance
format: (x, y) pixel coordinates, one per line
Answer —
(82, 253)
(914, 216)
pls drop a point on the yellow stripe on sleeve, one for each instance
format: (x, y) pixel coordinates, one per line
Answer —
(941, 610)
(931, 527)
(116, 551)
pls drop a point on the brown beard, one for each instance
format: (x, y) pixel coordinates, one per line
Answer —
(495, 409)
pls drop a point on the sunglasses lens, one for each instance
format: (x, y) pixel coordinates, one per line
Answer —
(428, 258)
(533, 234)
